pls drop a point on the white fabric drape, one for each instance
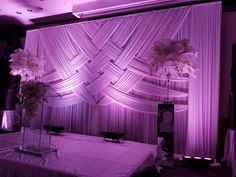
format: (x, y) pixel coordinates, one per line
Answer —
(82, 68)
(100, 69)
(204, 90)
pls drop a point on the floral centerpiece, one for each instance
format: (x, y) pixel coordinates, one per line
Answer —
(33, 93)
(26, 64)
(29, 66)
(173, 59)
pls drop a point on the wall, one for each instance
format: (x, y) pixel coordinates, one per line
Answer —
(9, 85)
(228, 37)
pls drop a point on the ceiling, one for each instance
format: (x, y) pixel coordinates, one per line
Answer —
(24, 12)
(16, 13)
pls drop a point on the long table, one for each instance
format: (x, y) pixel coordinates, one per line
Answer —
(77, 156)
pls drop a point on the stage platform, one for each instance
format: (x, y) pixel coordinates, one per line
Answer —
(77, 156)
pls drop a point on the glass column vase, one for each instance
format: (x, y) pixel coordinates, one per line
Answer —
(36, 140)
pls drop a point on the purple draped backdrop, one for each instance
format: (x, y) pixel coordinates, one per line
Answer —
(100, 69)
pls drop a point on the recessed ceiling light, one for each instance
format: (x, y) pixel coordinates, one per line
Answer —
(39, 8)
(18, 12)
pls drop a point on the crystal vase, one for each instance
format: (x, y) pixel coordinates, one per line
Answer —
(36, 140)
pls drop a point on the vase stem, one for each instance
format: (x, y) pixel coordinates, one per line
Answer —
(168, 87)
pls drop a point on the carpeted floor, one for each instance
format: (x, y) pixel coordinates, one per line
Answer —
(185, 169)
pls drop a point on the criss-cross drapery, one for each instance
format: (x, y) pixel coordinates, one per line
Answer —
(100, 69)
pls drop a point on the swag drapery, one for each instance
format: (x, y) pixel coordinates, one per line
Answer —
(100, 69)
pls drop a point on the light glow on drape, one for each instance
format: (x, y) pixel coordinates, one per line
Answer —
(204, 90)
(100, 69)
(87, 64)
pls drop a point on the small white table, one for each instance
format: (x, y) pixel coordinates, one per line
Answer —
(230, 150)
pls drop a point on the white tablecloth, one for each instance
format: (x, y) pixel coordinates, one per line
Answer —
(78, 156)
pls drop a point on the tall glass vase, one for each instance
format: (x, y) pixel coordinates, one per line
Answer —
(36, 140)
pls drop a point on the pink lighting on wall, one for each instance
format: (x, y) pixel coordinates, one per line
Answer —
(106, 79)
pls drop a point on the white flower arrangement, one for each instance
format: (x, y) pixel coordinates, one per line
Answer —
(33, 93)
(29, 67)
(174, 59)
(26, 64)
